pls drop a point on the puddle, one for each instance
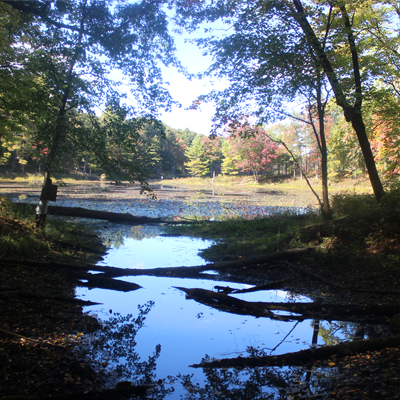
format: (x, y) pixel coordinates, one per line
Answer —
(186, 330)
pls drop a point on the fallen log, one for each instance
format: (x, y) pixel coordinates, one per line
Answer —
(317, 311)
(195, 270)
(182, 272)
(278, 284)
(239, 306)
(305, 357)
(118, 218)
(99, 282)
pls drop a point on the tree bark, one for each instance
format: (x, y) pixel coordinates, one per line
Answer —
(359, 127)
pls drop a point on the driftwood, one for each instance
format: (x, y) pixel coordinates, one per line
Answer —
(305, 357)
(318, 311)
(239, 306)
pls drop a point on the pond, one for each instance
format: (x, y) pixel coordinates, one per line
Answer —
(188, 331)
(155, 334)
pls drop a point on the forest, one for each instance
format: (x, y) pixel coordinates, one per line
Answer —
(311, 90)
(319, 97)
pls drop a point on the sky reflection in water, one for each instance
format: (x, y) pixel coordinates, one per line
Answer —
(187, 330)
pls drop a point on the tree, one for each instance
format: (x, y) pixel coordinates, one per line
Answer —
(275, 53)
(384, 122)
(198, 164)
(175, 164)
(230, 159)
(252, 148)
(269, 65)
(345, 158)
(77, 45)
(212, 151)
(339, 24)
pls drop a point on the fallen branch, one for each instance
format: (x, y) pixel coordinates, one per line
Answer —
(236, 306)
(267, 286)
(318, 311)
(305, 357)
(182, 272)
(101, 282)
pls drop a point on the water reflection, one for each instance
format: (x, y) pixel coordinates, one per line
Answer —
(151, 251)
(178, 332)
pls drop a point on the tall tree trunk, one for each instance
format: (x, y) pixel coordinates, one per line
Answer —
(359, 127)
(352, 113)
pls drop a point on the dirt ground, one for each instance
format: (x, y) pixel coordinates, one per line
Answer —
(38, 332)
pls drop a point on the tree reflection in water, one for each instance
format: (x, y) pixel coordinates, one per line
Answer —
(276, 383)
(272, 383)
(113, 348)
(247, 384)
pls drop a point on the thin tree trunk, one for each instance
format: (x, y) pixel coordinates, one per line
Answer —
(59, 131)
(326, 209)
(352, 113)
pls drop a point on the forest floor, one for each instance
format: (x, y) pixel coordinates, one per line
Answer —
(40, 333)
(41, 324)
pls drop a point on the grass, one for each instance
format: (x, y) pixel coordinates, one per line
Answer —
(245, 238)
(362, 228)
(362, 184)
(28, 177)
(19, 237)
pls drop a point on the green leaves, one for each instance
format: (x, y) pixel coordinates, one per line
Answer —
(64, 67)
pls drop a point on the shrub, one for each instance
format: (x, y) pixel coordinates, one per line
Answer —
(346, 203)
(391, 199)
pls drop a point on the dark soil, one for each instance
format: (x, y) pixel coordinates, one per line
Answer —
(356, 262)
(41, 327)
(40, 335)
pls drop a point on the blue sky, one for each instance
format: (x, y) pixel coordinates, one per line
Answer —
(186, 91)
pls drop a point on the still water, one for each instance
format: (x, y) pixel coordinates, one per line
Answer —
(186, 330)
